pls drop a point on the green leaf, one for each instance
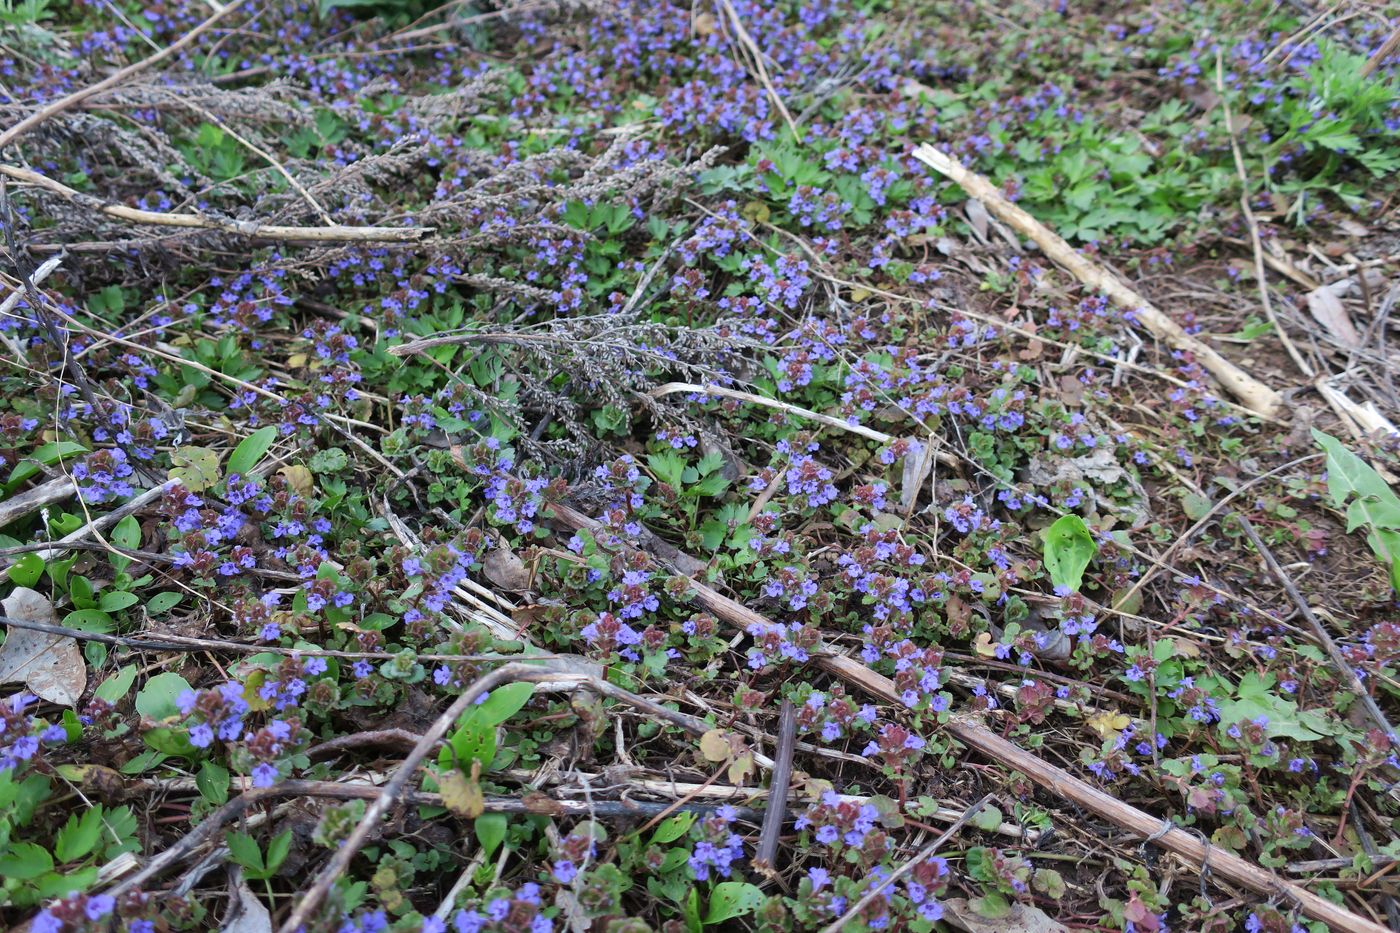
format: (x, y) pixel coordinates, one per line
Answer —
(115, 687)
(732, 899)
(143, 762)
(1068, 549)
(162, 603)
(691, 909)
(1375, 504)
(991, 905)
(127, 533)
(330, 460)
(52, 884)
(25, 860)
(503, 703)
(169, 741)
(89, 620)
(80, 591)
(45, 455)
(491, 831)
(471, 742)
(197, 468)
(250, 450)
(78, 836)
(988, 818)
(117, 600)
(27, 570)
(277, 850)
(244, 850)
(668, 467)
(156, 700)
(673, 828)
(212, 781)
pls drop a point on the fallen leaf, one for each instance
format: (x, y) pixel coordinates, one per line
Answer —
(742, 768)
(298, 479)
(248, 914)
(1327, 310)
(978, 217)
(1186, 649)
(983, 645)
(1022, 918)
(505, 569)
(462, 794)
(916, 469)
(1108, 724)
(197, 468)
(50, 665)
(714, 745)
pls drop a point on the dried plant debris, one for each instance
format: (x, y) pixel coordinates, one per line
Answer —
(439, 439)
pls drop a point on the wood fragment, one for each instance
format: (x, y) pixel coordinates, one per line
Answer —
(1254, 394)
(765, 853)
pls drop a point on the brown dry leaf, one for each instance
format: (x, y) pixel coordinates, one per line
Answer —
(741, 769)
(504, 568)
(1328, 311)
(1108, 724)
(978, 217)
(461, 794)
(298, 480)
(983, 646)
(714, 745)
(1022, 918)
(248, 914)
(50, 665)
(1186, 649)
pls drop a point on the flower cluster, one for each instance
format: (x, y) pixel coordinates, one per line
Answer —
(21, 735)
(846, 823)
(717, 846)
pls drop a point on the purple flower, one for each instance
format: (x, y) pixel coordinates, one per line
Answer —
(99, 906)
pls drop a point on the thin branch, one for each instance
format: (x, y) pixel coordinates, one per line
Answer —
(767, 850)
(1260, 277)
(671, 388)
(308, 903)
(1324, 638)
(247, 228)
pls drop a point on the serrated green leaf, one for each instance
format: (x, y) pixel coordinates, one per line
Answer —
(25, 860)
(79, 835)
(244, 850)
(197, 468)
